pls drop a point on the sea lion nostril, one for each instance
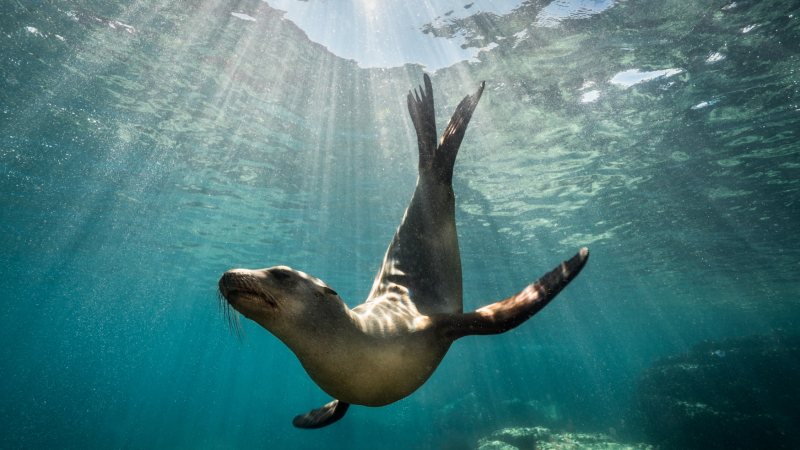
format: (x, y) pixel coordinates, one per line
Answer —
(226, 282)
(222, 285)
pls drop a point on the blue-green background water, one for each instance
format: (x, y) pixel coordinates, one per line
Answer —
(147, 147)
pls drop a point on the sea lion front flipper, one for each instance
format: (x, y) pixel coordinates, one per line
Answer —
(502, 316)
(322, 417)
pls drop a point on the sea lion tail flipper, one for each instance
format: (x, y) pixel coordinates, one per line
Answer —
(454, 134)
(502, 316)
(420, 108)
(321, 417)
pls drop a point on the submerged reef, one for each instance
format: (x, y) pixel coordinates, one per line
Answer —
(473, 412)
(545, 439)
(733, 393)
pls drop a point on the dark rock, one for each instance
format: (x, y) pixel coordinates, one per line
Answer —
(480, 417)
(729, 394)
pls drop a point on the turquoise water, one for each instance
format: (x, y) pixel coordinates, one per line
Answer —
(147, 147)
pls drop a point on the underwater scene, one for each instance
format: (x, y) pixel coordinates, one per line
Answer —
(147, 147)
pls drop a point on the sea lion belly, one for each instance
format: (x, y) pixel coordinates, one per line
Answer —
(376, 370)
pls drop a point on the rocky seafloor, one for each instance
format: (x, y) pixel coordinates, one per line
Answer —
(727, 394)
(546, 439)
(733, 393)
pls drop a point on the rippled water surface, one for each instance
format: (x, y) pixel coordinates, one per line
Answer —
(148, 146)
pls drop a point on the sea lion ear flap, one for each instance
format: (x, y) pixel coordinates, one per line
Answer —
(502, 316)
(321, 417)
(329, 291)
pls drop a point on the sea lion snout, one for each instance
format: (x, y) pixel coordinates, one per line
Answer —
(237, 284)
(232, 280)
(248, 291)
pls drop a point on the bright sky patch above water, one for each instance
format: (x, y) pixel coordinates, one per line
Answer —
(388, 34)
(560, 10)
(590, 96)
(634, 76)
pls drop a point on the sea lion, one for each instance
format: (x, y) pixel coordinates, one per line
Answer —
(386, 348)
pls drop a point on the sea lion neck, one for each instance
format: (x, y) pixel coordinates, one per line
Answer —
(308, 324)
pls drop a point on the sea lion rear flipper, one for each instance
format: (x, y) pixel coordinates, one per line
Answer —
(454, 134)
(420, 108)
(322, 417)
(502, 316)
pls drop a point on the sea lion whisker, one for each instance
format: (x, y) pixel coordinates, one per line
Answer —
(231, 317)
(240, 327)
(264, 295)
(252, 286)
(236, 325)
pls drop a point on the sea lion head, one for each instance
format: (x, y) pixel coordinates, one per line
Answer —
(277, 298)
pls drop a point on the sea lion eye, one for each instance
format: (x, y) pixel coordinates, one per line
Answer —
(280, 275)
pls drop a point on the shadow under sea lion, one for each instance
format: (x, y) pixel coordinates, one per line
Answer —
(385, 349)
